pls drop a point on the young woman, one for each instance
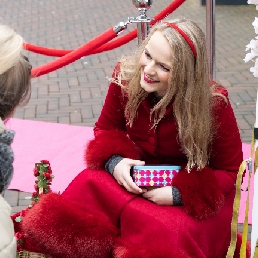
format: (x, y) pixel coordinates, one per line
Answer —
(161, 108)
(14, 91)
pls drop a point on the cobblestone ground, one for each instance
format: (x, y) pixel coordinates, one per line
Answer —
(75, 93)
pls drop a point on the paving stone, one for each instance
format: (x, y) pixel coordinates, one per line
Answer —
(24, 195)
(64, 101)
(75, 117)
(75, 97)
(53, 104)
(41, 109)
(43, 90)
(64, 120)
(54, 88)
(73, 82)
(85, 95)
(95, 93)
(19, 208)
(96, 109)
(29, 113)
(11, 197)
(87, 112)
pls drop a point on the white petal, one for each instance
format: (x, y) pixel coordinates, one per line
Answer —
(255, 22)
(252, 2)
(251, 45)
(249, 56)
(254, 71)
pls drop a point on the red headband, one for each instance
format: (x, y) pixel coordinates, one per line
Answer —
(184, 35)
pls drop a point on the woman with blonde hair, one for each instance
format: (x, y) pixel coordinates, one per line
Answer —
(14, 91)
(161, 108)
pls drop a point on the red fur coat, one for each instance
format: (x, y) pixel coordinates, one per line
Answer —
(207, 194)
(202, 191)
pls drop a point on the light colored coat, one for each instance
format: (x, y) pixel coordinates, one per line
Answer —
(7, 238)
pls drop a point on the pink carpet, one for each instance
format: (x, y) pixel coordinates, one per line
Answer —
(63, 145)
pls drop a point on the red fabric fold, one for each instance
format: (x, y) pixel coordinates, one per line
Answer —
(123, 249)
(106, 144)
(201, 193)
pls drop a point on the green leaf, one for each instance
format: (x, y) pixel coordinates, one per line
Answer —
(40, 184)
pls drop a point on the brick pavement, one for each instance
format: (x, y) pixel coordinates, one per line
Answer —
(75, 94)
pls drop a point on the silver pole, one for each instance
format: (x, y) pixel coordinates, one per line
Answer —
(143, 22)
(143, 29)
(210, 35)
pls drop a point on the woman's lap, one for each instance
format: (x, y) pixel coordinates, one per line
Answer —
(171, 228)
(98, 192)
(146, 224)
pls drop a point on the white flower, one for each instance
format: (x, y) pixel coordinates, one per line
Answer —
(254, 69)
(253, 45)
(250, 56)
(252, 1)
(255, 24)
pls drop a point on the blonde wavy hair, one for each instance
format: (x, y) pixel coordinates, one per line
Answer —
(189, 87)
(15, 71)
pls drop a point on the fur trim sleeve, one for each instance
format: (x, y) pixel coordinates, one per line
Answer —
(201, 193)
(106, 144)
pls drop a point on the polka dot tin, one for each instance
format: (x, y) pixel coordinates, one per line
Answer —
(158, 175)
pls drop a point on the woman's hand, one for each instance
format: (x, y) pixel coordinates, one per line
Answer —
(122, 175)
(160, 195)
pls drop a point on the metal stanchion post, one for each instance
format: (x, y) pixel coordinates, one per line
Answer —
(143, 22)
(210, 35)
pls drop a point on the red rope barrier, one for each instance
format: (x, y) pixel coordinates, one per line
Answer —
(74, 55)
(105, 47)
(109, 45)
(168, 10)
(45, 51)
